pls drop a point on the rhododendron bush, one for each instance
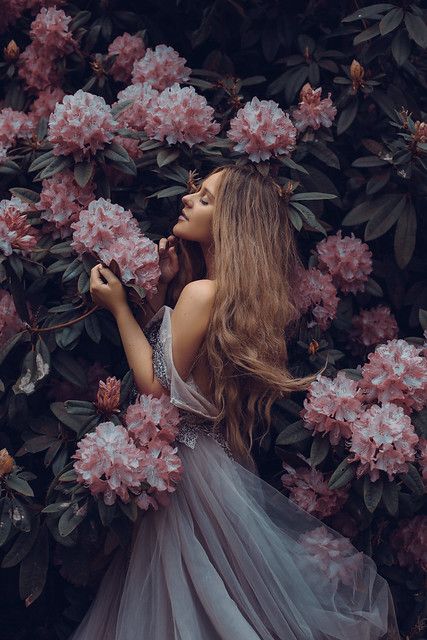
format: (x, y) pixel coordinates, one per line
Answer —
(105, 114)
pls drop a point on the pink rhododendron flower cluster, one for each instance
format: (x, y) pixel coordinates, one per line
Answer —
(50, 30)
(337, 557)
(332, 406)
(373, 326)
(179, 114)
(308, 488)
(134, 116)
(13, 125)
(318, 294)
(81, 125)
(61, 201)
(409, 541)
(112, 233)
(39, 63)
(396, 372)
(108, 462)
(312, 110)
(151, 417)
(348, 260)
(383, 440)
(16, 233)
(138, 462)
(45, 103)
(129, 49)
(261, 129)
(10, 322)
(161, 67)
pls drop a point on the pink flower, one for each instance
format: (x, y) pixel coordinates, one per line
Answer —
(50, 30)
(422, 459)
(110, 232)
(81, 125)
(373, 326)
(396, 372)
(312, 111)
(132, 147)
(317, 294)
(13, 125)
(134, 116)
(151, 417)
(129, 49)
(15, 230)
(331, 406)
(409, 541)
(261, 129)
(62, 199)
(348, 260)
(161, 67)
(162, 468)
(309, 490)
(108, 396)
(383, 440)
(337, 557)
(180, 115)
(38, 67)
(10, 322)
(45, 103)
(108, 462)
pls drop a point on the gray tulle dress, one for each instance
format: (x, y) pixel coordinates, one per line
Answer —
(232, 558)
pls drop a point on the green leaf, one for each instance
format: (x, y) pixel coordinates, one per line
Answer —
(21, 546)
(367, 34)
(390, 497)
(295, 218)
(76, 423)
(369, 161)
(168, 192)
(368, 12)
(23, 336)
(68, 367)
(365, 210)
(72, 271)
(27, 195)
(405, 236)
(417, 29)
(401, 47)
(384, 219)
(167, 156)
(373, 288)
(391, 21)
(347, 116)
(5, 520)
(70, 519)
(126, 386)
(80, 408)
(93, 328)
(83, 172)
(41, 161)
(33, 570)
(319, 450)
(413, 480)
(18, 484)
(294, 432)
(372, 492)
(342, 475)
(59, 164)
(309, 217)
(56, 507)
(324, 154)
(314, 195)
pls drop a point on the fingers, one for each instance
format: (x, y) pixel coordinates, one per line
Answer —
(95, 277)
(107, 274)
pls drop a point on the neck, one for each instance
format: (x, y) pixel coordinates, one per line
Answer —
(208, 255)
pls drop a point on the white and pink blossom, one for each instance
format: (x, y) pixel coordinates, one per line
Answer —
(312, 111)
(161, 67)
(347, 259)
(128, 49)
(309, 489)
(317, 294)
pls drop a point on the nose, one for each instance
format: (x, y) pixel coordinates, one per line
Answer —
(186, 200)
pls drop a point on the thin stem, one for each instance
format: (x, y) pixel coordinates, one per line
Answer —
(63, 324)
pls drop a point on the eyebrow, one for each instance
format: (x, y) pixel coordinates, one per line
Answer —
(207, 191)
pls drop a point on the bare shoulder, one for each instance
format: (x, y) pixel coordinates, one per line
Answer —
(202, 291)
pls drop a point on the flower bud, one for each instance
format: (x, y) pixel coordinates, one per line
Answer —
(108, 396)
(6, 462)
(357, 73)
(11, 51)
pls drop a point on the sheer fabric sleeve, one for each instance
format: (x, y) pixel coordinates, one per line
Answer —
(183, 393)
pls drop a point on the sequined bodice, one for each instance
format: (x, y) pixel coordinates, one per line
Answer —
(191, 425)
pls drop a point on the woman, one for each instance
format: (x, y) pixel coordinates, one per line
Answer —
(230, 557)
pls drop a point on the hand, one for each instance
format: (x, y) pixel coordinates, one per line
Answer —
(168, 259)
(110, 295)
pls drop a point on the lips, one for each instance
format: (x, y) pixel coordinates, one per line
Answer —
(183, 214)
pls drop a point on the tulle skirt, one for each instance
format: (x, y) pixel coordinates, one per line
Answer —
(231, 558)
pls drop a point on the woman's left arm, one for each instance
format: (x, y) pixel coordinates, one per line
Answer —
(139, 353)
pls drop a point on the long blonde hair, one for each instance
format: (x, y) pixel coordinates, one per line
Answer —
(256, 268)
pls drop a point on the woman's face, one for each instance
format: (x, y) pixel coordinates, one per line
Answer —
(198, 210)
